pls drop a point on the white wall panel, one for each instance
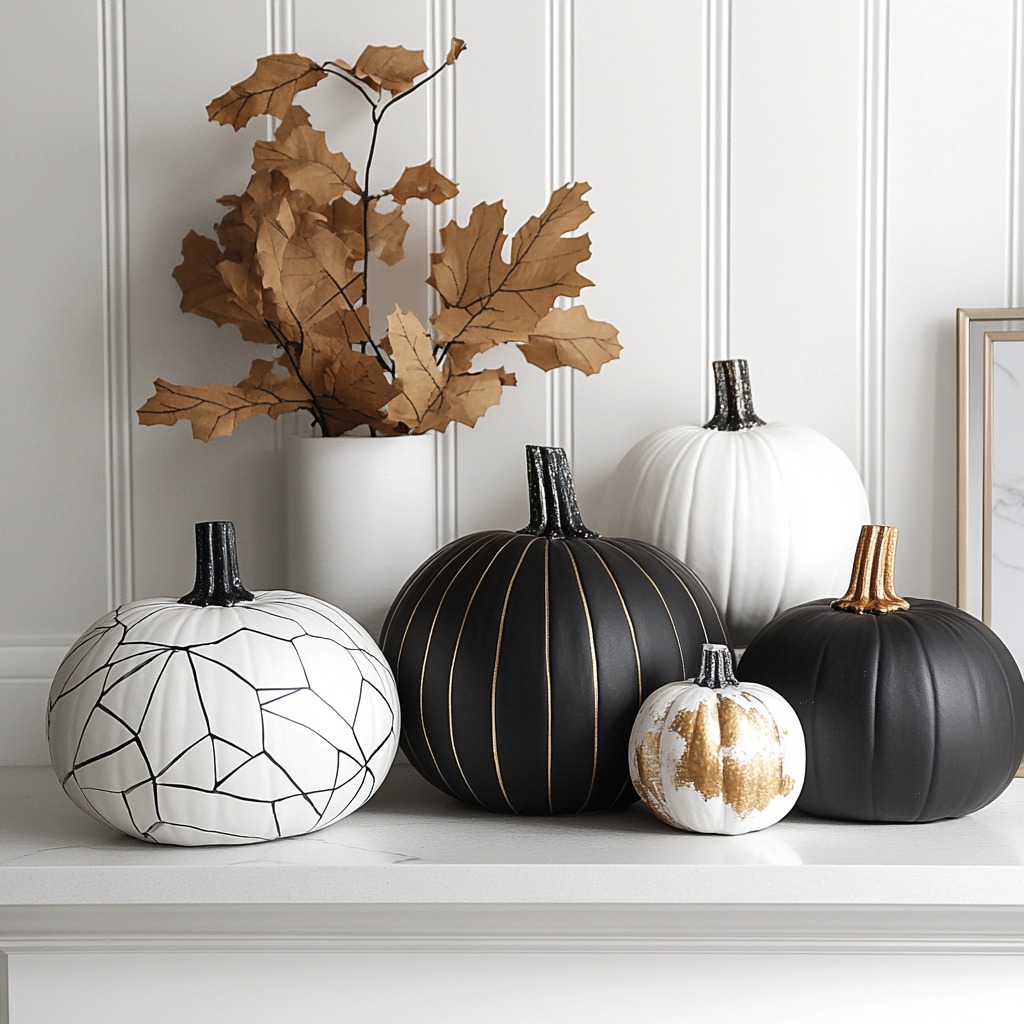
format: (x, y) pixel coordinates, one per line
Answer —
(640, 141)
(794, 213)
(53, 509)
(500, 125)
(948, 233)
(815, 185)
(179, 57)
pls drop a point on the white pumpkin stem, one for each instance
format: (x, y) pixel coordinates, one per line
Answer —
(217, 579)
(872, 583)
(734, 406)
(554, 511)
(716, 671)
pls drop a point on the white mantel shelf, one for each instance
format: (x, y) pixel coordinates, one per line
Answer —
(490, 897)
(412, 845)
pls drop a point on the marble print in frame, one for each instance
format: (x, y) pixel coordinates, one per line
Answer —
(990, 470)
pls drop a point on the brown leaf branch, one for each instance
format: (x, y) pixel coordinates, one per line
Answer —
(290, 267)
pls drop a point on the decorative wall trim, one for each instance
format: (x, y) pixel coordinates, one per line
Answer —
(441, 147)
(872, 256)
(560, 144)
(551, 929)
(27, 666)
(280, 28)
(114, 213)
(1015, 283)
(715, 168)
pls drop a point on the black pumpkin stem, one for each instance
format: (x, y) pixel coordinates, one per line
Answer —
(716, 668)
(217, 580)
(872, 587)
(554, 511)
(734, 407)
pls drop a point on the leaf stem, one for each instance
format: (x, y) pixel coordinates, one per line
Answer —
(288, 347)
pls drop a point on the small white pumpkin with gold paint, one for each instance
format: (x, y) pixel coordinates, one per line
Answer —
(712, 754)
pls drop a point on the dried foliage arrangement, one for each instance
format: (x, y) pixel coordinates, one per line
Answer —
(290, 265)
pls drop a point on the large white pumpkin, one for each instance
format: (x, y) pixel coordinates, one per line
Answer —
(712, 754)
(767, 515)
(233, 718)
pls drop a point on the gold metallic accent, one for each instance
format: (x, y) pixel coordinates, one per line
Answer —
(632, 630)
(661, 597)
(426, 650)
(593, 662)
(494, 676)
(721, 723)
(455, 654)
(647, 764)
(872, 587)
(964, 319)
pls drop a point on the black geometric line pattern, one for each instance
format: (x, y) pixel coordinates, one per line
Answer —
(216, 725)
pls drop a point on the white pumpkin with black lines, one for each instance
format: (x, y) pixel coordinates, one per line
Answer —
(224, 717)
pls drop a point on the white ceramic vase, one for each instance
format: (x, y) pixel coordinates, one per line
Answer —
(360, 519)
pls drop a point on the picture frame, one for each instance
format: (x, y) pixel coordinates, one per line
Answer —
(990, 475)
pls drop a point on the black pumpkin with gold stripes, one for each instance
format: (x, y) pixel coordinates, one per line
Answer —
(522, 658)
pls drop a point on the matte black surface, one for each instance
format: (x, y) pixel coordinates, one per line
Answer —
(909, 716)
(523, 658)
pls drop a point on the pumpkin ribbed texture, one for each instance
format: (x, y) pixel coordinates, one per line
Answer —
(910, 715)
(522, 658)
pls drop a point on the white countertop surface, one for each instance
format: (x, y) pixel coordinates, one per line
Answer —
(412, 845)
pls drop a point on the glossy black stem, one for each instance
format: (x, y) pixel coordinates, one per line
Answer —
(734, 407)
(716, 668)
(554, 511)
(217, 581)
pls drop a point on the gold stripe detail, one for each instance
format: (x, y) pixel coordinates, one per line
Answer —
(494, 676)
(455, 654)
(430, 638)
(657, 590)
(689, 594)
(416, 608)
(593, 662)
(632, 631)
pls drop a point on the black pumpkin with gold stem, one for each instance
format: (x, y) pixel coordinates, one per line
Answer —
(913, 710)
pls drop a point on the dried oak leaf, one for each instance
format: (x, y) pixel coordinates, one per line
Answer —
(432, 396)
(393, 68)
(457, 46)
(221, 289)
(216, 409)
(300, 153)
(306, 272)
(568, 337)
(423, 181)
(350, 387)
(270, 89)
(488, 300)
(386, 231)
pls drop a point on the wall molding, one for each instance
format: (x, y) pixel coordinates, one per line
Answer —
(871, 327)
(441, 107)
(27, 667)
(1015, 272)
(811, 929)
(114, 243)
(560, 145)
(715, 173)
(280, 30)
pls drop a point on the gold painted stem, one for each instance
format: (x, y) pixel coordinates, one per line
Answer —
(872, 588)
